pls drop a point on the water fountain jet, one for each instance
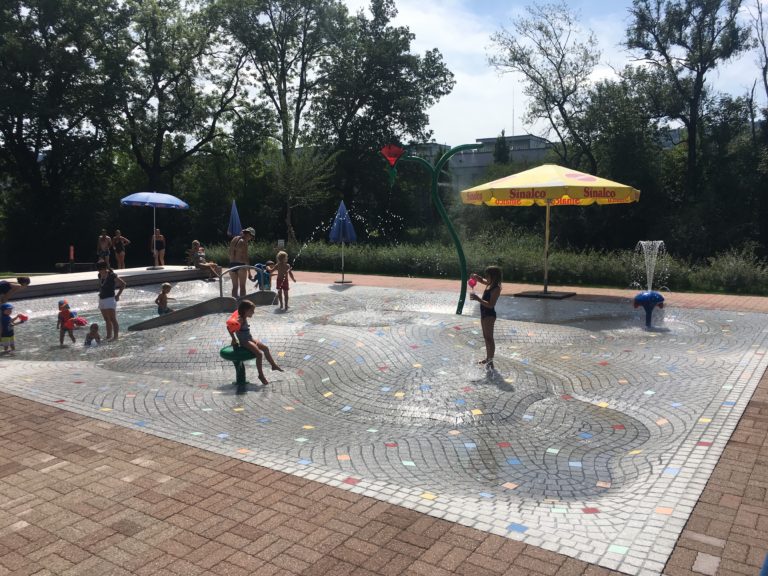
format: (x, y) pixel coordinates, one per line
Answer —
(653, 251)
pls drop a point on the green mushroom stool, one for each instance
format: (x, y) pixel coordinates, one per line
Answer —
(238, 356)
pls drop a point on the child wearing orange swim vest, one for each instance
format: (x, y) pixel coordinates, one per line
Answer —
(65, 322)
(240, 331)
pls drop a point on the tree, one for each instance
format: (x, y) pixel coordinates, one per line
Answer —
(58, 94)
(375, 90)
(548, 49)
(623, 125)
(286, 42)
(684, 40)
(180, 82)
(501, 150)
(760, 27)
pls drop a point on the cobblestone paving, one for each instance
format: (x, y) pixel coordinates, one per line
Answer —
(593, 438)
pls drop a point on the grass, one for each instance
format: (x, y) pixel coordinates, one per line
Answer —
(737, 271)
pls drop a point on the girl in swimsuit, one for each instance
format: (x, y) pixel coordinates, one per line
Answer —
(492, 281)
(119, 242)
(242, 337)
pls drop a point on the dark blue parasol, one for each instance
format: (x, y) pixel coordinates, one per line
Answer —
(342, 232)
(235, 227)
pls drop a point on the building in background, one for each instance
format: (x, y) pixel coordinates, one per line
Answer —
(469, 168)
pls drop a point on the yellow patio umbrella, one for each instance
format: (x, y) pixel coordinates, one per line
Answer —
(550, 185)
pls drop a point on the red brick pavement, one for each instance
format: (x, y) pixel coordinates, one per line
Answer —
(80, 496)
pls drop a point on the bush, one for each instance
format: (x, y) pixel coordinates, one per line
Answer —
(521, 258)
(737, 270)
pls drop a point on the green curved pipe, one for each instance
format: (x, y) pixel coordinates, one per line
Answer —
(435, 172)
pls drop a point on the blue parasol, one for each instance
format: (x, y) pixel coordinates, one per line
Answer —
(234, 228)
(154, 200)
(342, 232)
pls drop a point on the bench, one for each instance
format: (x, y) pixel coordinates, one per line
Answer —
(238, 356)
(65, 267)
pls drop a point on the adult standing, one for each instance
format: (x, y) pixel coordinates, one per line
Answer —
(9, 289)
(108, 283)
(103, 246)
(157, 247)
(238, 255)
(119, 242)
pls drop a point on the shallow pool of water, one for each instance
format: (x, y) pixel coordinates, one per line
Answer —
(39, 333)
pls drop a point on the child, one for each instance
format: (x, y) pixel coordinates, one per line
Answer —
(262, 276)
(6, 328)
(65, 322)
(162, 299)
(240, 332)
(487, 303)
(93, 338)
(283, 270)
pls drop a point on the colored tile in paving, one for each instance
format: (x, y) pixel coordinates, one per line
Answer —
(598, 498)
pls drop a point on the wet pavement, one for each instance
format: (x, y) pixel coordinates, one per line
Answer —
(593, 437)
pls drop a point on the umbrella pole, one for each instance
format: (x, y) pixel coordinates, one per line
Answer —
(342, 261)
(154, 246)
(546, 249)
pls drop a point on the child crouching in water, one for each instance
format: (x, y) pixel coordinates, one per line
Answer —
(93, 338)
(162, 299)
(241, 336)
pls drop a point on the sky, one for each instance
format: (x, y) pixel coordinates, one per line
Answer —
(484, 102)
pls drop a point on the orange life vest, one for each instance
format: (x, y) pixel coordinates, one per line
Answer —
(233, 323)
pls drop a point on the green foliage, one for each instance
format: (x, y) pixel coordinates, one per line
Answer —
(520, 257)
(375, 90)
(684, 41)
(180, 81)
(556, 58)
(737, 270)
(104, 98)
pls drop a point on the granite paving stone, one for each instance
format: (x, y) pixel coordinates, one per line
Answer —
(589, 425)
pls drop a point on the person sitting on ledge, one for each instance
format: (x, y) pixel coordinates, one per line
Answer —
(198, 260)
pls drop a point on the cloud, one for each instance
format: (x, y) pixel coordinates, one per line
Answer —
(484, 102)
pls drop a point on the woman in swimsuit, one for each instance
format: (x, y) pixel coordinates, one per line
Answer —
(492, 281)
(157, 247)
(119, 242)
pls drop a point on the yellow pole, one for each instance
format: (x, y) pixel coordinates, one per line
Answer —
(546, 248)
